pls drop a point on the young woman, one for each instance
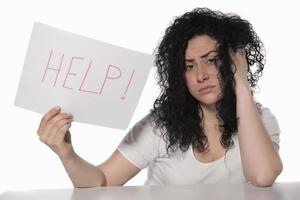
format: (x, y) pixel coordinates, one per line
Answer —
(205, 127)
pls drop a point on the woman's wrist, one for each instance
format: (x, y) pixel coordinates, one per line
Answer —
(242, 84)
(69, 158)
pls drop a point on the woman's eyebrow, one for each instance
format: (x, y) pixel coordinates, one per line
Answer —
(203, 56)
(189, 60)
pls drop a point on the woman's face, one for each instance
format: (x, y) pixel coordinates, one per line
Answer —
(201, 71)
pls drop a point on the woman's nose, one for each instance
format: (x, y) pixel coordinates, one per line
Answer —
(201, 74)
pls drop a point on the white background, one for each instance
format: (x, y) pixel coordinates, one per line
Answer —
(26, 163)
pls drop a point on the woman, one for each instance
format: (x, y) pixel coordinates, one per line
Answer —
(205, 126)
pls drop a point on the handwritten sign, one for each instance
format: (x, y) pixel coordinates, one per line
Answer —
(98, 83)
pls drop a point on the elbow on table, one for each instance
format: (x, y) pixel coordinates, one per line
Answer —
(90, 185)
(266, 179)
(263, 181)
(98, 180)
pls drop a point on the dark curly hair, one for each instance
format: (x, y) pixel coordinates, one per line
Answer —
(176, 112)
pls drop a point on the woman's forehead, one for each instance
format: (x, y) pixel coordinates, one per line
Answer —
(201, 46)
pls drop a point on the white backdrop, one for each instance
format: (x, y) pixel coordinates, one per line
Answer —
(26, 163)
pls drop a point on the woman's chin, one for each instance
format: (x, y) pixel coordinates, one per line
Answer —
(208, 102)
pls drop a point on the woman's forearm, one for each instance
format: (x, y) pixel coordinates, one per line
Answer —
(83, 173)
(260, 159)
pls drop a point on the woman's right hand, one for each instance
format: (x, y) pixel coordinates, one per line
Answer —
(54, 131)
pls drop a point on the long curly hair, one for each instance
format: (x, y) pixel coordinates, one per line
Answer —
(176, 112)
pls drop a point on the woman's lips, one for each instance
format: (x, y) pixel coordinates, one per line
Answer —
(206, 90)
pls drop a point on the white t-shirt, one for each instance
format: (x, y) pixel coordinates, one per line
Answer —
(144, 147)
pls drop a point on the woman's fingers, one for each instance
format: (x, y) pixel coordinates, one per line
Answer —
(54, 111)
(56, 124)
(51, 123)
(55, 137)
(62, 133)
(54, 131)
(240, 64)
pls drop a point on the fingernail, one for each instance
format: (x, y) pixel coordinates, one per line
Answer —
(57, 108)
(70, 115)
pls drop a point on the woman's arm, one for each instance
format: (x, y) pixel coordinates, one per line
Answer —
(115, 171)
(260, 157)
(54, 131)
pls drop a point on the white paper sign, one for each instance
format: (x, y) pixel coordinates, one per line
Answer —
(98, 83)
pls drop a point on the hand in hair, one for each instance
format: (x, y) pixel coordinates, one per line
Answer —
(240, 66)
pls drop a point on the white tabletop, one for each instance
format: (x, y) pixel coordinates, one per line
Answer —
(279, 191)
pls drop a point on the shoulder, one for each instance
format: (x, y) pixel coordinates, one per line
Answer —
(144, 131)
(267, 116)
(147, 125)
(270, 123)
(141, 144)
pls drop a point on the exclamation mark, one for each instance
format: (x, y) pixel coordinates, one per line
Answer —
(123, 97)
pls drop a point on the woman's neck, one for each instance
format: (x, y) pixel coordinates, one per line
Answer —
(210, 121)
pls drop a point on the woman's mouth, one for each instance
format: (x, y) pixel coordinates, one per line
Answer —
(206, 89)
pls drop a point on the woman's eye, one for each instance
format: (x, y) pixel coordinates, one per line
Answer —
(211, 61)
(188, 66)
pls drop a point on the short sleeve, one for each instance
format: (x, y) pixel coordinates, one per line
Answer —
(271, 124)
(141, 144)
